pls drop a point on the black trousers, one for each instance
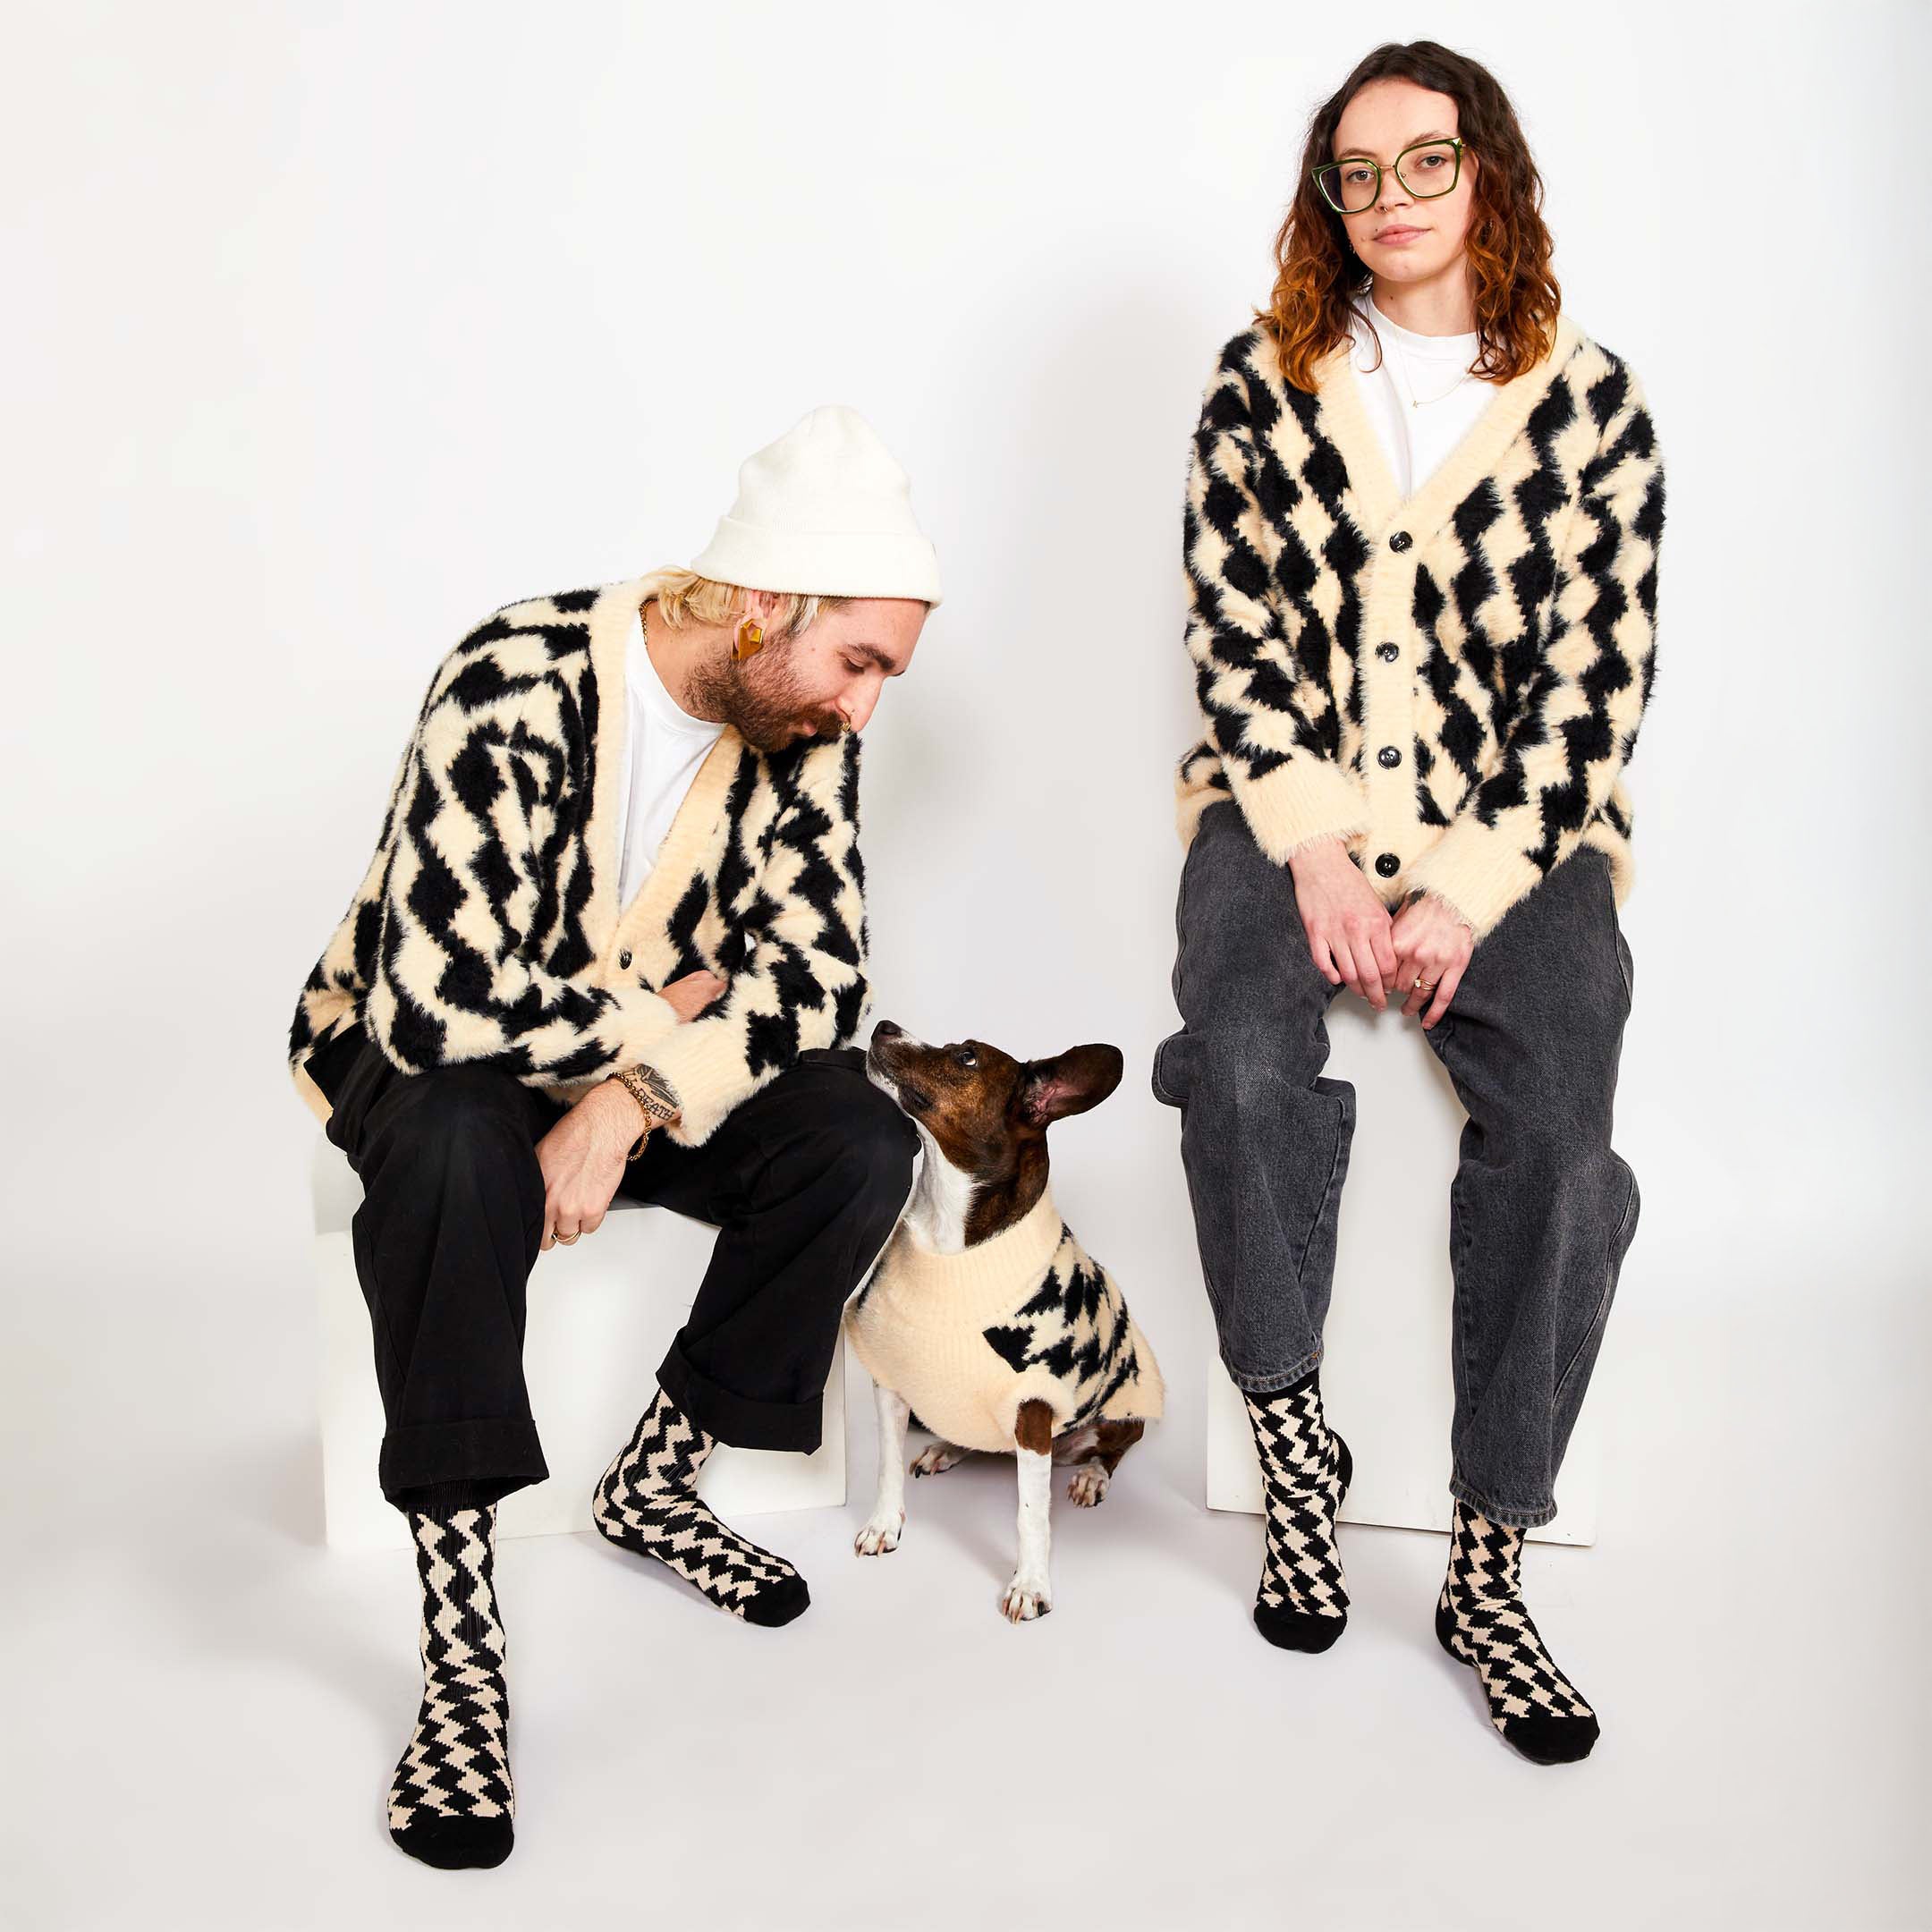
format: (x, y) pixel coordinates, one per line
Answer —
(805, 1180)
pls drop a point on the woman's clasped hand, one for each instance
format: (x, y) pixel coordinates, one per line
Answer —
(1417, 952)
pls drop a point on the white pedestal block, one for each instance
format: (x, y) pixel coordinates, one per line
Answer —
(602, 1312)
(1386, 1374)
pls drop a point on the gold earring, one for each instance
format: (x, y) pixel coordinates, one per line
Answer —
(751, 640)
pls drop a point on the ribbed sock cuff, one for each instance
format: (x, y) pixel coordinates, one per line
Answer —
(442, 1499)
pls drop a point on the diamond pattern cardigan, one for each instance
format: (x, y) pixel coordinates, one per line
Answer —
(487, 927)
(1452, 682)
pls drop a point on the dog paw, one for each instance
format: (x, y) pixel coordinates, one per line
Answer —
(880, 1537)
(936, 1458)
(1088, 1486)
(1025, 1598)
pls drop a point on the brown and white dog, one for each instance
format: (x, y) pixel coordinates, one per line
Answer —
(985, 1320)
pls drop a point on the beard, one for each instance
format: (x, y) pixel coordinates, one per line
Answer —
(760, 698)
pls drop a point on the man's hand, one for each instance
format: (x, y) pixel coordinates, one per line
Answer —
(1346, 924)
(693, 992)
(1433, 944)
(582, 1158)
(583, 1155)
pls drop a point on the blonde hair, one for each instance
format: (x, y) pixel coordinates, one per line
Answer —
(683, 597)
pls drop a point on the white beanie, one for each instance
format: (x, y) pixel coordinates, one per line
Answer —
(824, 512)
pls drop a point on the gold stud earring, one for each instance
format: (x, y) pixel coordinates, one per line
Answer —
(751, 640)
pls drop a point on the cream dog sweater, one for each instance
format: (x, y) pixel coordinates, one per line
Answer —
(966, 1338)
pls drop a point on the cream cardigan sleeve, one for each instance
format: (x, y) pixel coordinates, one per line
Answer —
(1579, 720)
(1270, 718)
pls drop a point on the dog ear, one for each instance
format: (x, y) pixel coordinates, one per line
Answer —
(1082, 1077)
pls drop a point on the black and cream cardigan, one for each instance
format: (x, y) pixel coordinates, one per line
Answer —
(487, 927)
(1450, 682)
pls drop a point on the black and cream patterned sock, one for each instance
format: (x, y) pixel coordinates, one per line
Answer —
(647, 1503)
(1480, 1620)
(451, 1802)
(1305, 1467)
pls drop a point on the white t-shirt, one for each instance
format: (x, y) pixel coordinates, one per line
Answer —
(1416, 369)
(662, 750)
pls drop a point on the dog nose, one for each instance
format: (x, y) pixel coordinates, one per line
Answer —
(887, 1030)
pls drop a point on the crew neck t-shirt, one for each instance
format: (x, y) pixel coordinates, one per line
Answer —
(1416, 440)
(662, 750)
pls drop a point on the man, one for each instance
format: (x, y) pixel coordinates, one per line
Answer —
(613, 935)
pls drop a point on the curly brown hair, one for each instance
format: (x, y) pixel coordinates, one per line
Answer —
(1319, 277)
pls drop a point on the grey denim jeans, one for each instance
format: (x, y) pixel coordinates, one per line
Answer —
(1541, 1210)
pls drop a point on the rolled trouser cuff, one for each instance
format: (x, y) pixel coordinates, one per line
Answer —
(1273, 1381)
(739, 1420)
(1506, 1515)
(501, 1450)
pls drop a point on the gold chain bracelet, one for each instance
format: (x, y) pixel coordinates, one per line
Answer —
(652, 1092)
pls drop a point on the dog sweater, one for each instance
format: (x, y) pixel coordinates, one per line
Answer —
(966, 1338)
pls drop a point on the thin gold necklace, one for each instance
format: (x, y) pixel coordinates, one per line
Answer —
(1408, 385)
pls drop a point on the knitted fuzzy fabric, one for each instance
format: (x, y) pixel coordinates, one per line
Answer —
(1481, 1621)
(1302, 1601)
(1451, 684)
(487, 927)
(452, 1803)
(646, 1503)
(1026, 1314)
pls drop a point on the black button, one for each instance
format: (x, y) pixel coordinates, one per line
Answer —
(1389, 651)
(1388, 864)
(624, 958)
(1388, 754)
(1401, 540)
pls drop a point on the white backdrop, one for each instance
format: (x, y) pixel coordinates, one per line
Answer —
(332, 329)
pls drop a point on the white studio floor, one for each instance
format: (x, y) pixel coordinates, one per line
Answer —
(206, 1703)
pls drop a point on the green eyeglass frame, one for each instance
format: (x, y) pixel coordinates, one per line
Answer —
(1421, 194)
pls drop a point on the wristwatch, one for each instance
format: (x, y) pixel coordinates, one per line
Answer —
(652, 1092)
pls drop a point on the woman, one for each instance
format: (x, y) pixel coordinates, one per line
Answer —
(1421, 532)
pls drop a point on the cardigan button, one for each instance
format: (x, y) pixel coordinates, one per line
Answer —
(1401, 540)
(1388, 754)
(624, 958)
(1388, 864)
(1388, 651)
